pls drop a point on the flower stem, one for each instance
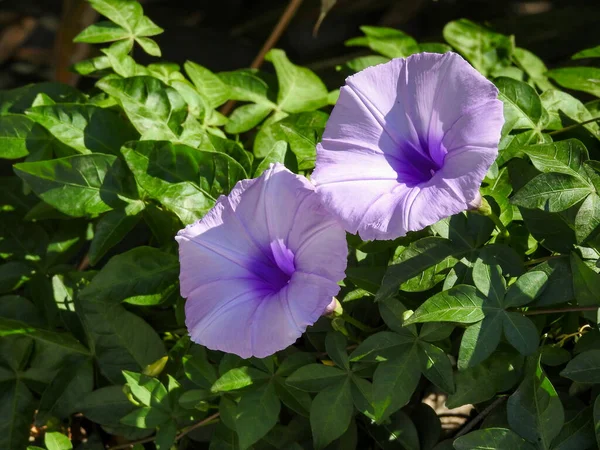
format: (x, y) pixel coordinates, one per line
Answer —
(357, 323)
(575, 125)
(533, 312)
(485, 209)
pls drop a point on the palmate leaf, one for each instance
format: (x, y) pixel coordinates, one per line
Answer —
(394, 381)
(86, 128)
(156, 110)
(534, 410)
(17, 406)
(20, 136)
(299, 88)
(496, 438)
(586, 79)
(80, 185)
(553, 192)
(185, 180)
(523, 108)
(256, 413)
(584, 368)
(387, 41)
(485, 49)
(480, 340)
(462, 304)
(330, 413)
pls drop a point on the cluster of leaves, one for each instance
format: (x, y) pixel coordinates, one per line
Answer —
(499, 315)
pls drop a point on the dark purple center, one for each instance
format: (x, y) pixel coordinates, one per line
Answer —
(276, 269)
(415, 163)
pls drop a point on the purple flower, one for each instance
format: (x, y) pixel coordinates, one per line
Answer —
(407, 144)
(261, 266)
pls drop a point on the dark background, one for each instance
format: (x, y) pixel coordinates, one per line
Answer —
(35, 35)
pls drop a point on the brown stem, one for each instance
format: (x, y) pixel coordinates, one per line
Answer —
(576, 125)
(84, 264)
(282, 24)
(181, 434)
(482, 415)
(533, 312)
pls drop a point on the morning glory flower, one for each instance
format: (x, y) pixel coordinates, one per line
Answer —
(261, 266)
(407, 144)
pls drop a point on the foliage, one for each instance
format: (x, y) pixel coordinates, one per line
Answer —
(92, 321)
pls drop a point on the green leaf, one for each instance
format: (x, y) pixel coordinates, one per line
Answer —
(299, 88)
(436, 366)
(380, 346)
(112, 228)
(586, 79)
(238, 378)
(256, 413)
(552, 192)
(534, 67)
(562, 157)
(20, 136)
(198, 369)
(166, 435)
(593, 52)
(387, 41)
(489, 281)
(86, 128)
(394, 382)
(415, 259)
(522, 105)
(101, 32)
(276, 155)
(121, 339)
(584, 368)
(73, 381)
(534, 410)
(586, 283)
(480, 340)
(185, 180)
(295, 399)
(362, 62)
(246, 117)
(57, 441)
(462, 304)
(106, 405)
(330, 413)
(526, 289)
(125, 13)
(213, 91)
(156, 110)
(399, 433)
(80, 185)
(147, 390)
(16, 101)
(577, 432)
(301, 131)
(315, 377)
(247, 86)
(13, 275)
(483, 48)
(492, 438)
(65, 341)
(17, 406)
(143, 275)
(148, 418)
(560, 104)
(335, 344)
(587, 219)
(597, 418)
(520, 332)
